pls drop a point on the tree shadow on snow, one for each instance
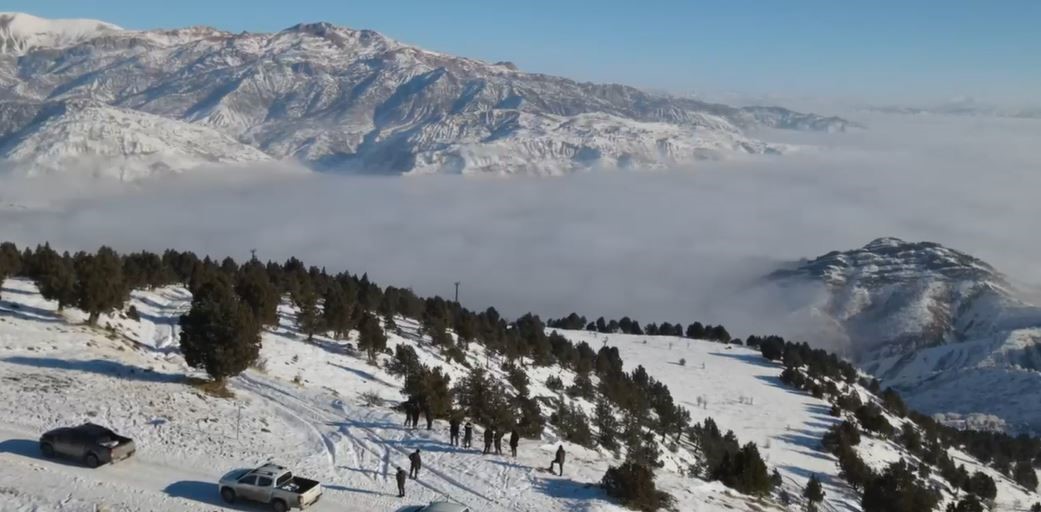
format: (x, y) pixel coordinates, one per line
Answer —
(800, 438)
(206, 493)
(752, 359)
(363, 374)
(565, 488)
(5, 290)
(97, 366)
(31, 313)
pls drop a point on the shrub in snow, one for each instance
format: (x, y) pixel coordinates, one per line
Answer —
(371, 398)
(133, 314)
(633, 485)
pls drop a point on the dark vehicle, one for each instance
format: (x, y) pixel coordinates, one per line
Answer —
(92, 444)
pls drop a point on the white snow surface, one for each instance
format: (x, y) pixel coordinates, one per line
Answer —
(301, 407)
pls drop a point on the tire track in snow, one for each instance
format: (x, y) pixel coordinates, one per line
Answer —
(330, 446)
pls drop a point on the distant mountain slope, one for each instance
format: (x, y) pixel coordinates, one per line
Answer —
(344, 99)
(116, 142)
(943, 327)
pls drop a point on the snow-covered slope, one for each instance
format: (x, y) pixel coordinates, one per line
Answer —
(302, 406)
(102, 140)
(943, 327)
(339, 98)
(21, 32)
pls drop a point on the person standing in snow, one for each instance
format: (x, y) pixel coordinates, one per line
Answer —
(514, 441)
(453, 432)
(409, 405)
(401, 476)
(415, 462)
(498, 441)
(559, 459)
(415, 415)
(468, 435)
(429, 416)
(489, 434)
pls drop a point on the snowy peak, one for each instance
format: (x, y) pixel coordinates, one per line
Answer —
(20, 32)
(944, 327)
(343, 99)
(891, 260)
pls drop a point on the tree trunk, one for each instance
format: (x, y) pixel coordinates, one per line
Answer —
(92, 320)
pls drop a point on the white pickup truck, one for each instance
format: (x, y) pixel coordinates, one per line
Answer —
(271, 484)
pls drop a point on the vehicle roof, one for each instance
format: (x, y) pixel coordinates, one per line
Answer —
(444, 506)
(90, 429)
(93, 429)
(271, 470)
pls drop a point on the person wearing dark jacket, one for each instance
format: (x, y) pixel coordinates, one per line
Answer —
(453, 432)
(489, 435)
(409, 406)
(401, 476)
(498, 441)
(429, 415)
(415, 462)
(514, 441)
(468, 435)
(559, 459)
(415, 416)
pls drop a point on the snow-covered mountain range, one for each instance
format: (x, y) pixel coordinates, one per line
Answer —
(943, 327)
(334, 98)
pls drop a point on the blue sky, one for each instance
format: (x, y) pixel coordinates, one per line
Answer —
(883, 51)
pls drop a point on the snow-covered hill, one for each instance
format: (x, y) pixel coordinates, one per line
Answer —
(943, 327)
(339, 98)
(102, 140)
(21, 32)
(302, 406)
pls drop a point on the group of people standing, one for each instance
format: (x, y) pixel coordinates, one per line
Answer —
(492, 442)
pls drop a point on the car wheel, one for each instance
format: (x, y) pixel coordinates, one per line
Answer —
(227, 495)
(279, 506)
(47, 449)
(92, 460)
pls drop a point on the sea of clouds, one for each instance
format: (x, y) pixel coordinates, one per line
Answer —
(680, 245)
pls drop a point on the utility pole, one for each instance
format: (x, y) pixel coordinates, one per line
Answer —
(457, 292)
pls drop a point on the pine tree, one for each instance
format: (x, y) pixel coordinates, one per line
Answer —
(813, 492)
(10, 262)
(308, 317)
(100, 286)
(1023, 473)
(606, 425)
(54, 276)
(219, 333)
(254, 286)
(337, 311)
(371, 337)
(389, 324)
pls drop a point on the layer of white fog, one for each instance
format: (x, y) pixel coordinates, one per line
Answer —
(671, 246)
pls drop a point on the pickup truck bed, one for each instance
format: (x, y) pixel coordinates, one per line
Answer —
(299, 485)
